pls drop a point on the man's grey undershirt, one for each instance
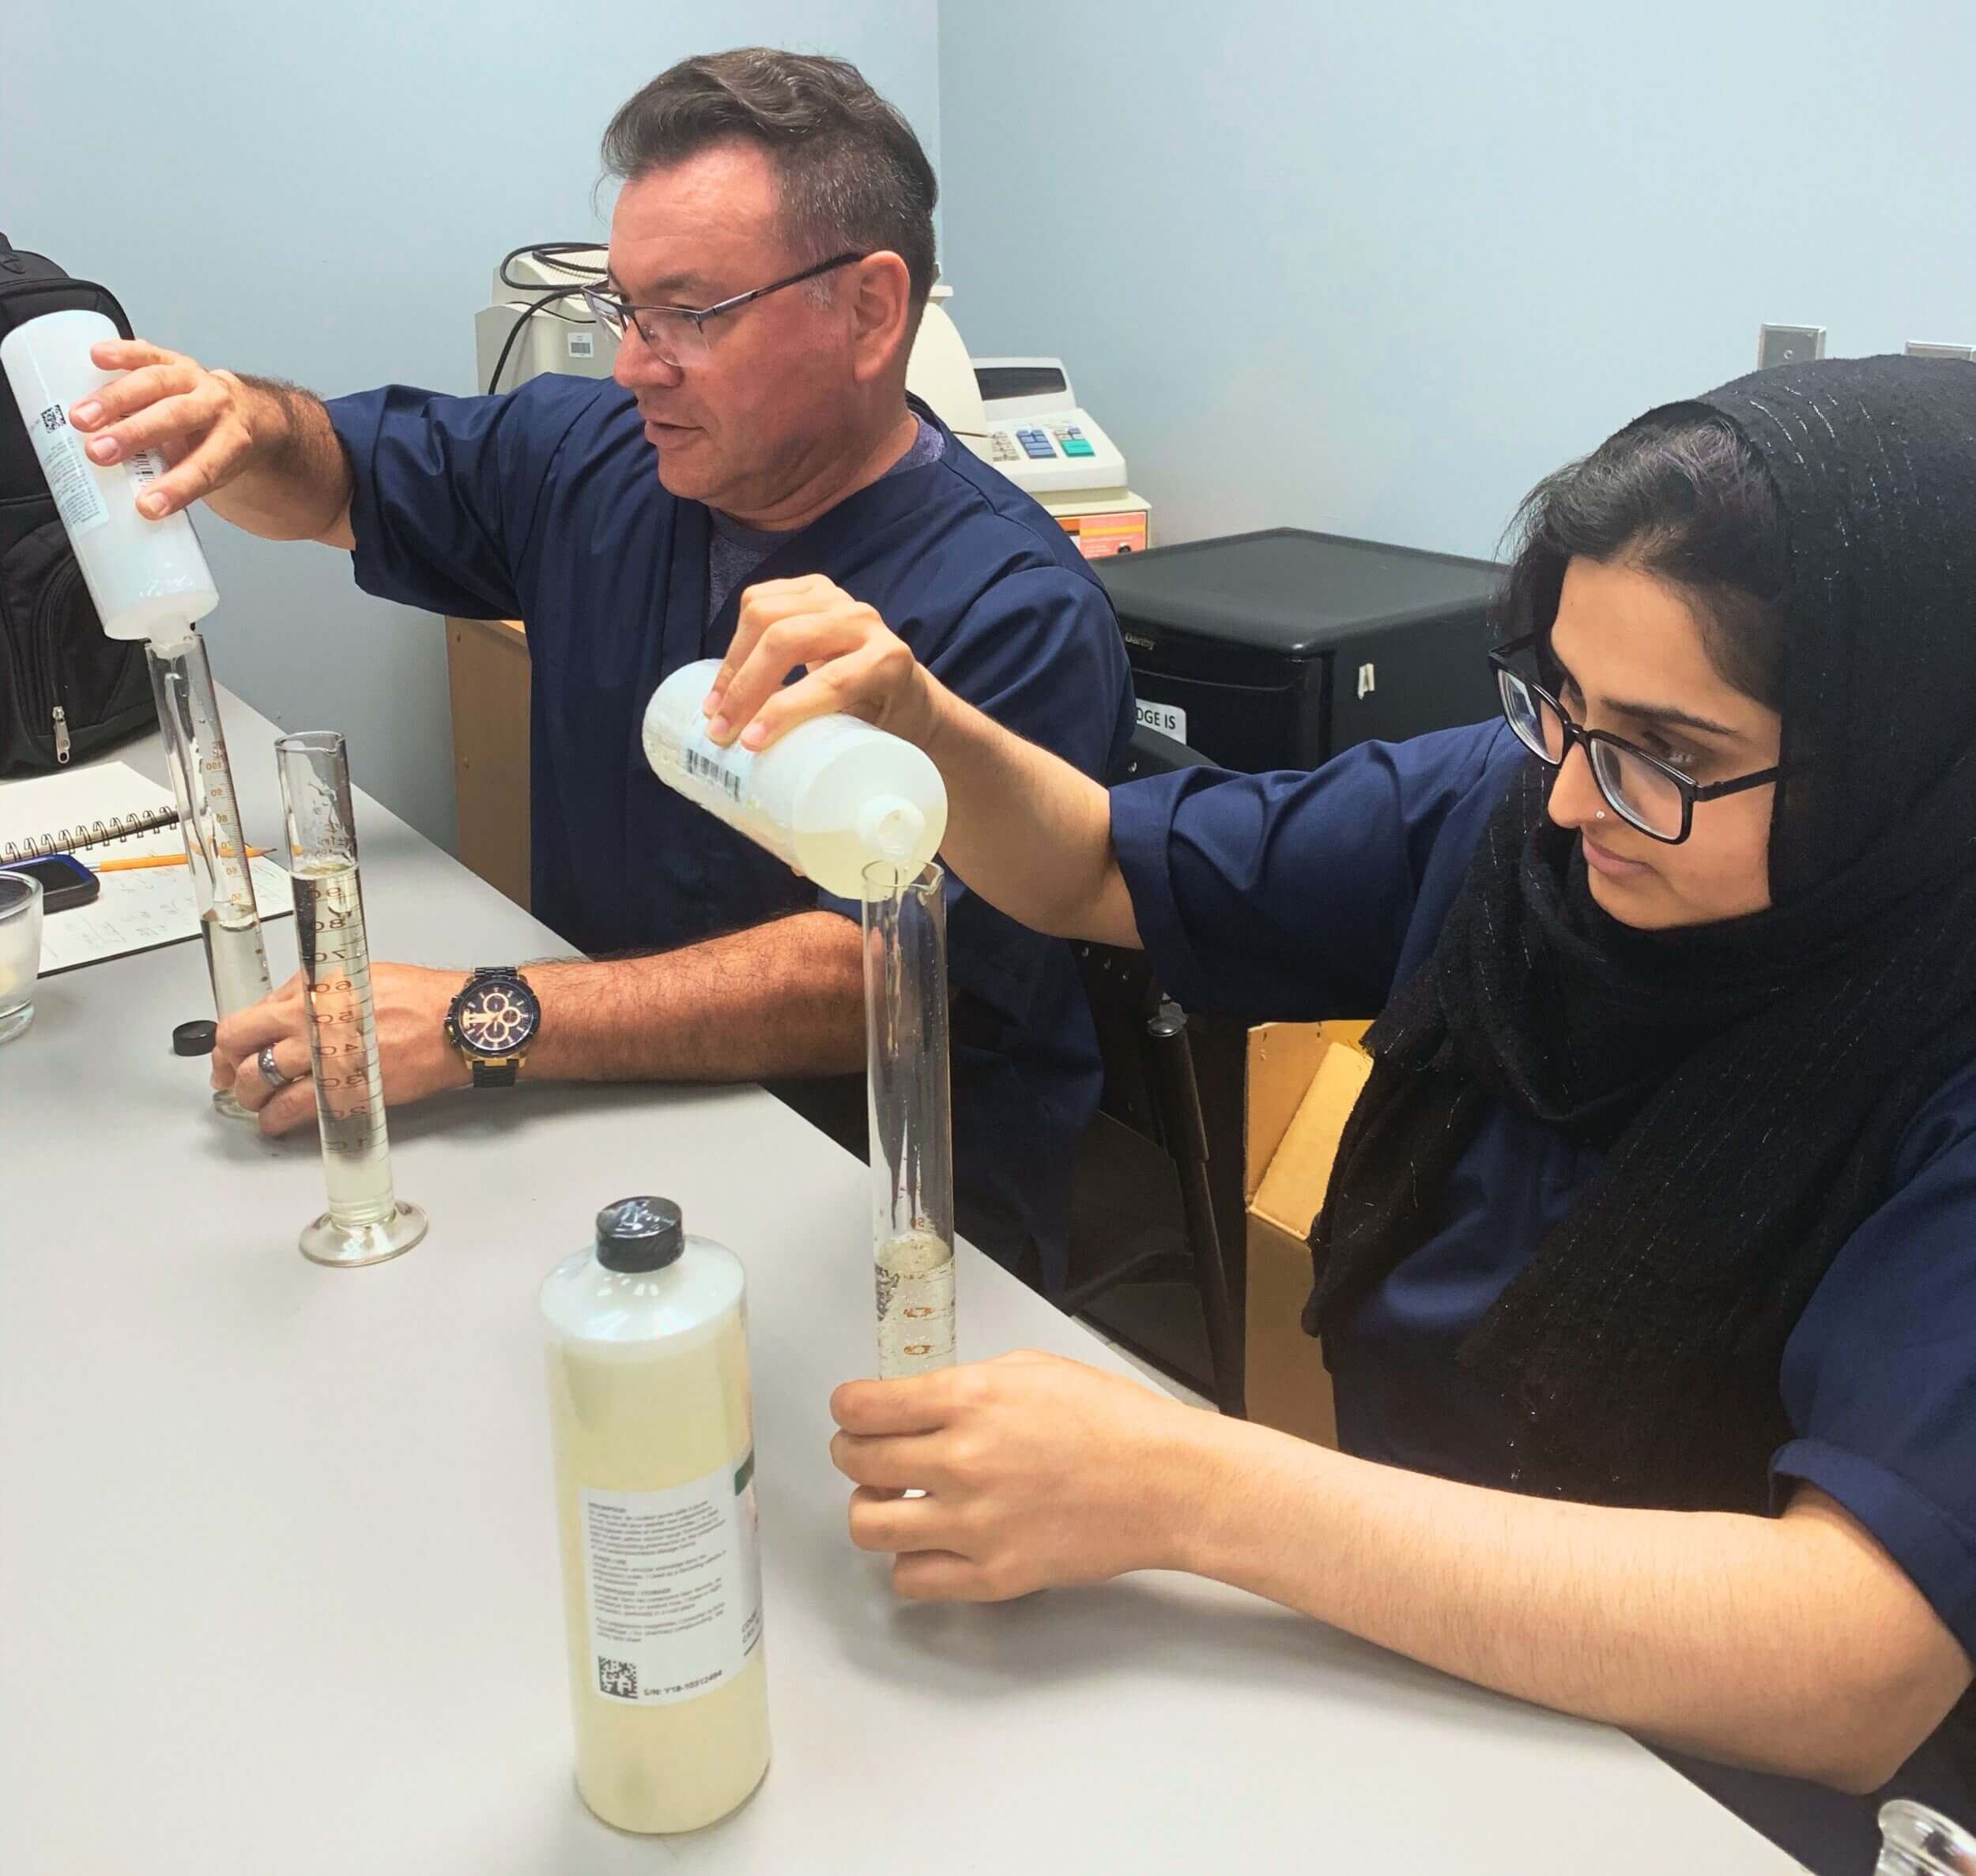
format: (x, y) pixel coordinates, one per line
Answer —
(734, 550)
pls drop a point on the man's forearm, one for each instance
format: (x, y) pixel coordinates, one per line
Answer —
(785, 998)
(296, 483)
(1792, 1644)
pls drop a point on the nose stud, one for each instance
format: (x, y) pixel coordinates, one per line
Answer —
(1601, 814)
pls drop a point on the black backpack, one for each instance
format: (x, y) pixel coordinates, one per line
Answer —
(65, 690)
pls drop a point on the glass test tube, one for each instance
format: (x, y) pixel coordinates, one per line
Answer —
(366, 1222)
(905, 935)
(236, 961)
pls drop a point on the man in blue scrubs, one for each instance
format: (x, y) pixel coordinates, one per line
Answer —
(772, 251)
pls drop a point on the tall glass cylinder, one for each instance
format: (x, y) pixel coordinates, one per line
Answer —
(209, 817)
(910, 1113)
(366, 1222)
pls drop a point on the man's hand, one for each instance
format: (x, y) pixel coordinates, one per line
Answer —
(410, 1004)
(263, 454)
(1037, 1471)
(201, 421)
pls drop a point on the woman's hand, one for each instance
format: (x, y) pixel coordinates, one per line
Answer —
(856, 667)
(1037, 1471)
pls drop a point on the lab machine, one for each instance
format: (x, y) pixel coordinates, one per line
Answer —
(538, 321)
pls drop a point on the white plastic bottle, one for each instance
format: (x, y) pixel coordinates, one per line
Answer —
(828, 799)
(148, 579)
(655, 1485)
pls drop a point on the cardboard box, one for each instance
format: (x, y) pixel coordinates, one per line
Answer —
(1303, 1081)
(488, 672)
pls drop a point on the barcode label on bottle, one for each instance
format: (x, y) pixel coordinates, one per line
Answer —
(145, 466)
(77, 499)
(713, 765)
(673, 1582)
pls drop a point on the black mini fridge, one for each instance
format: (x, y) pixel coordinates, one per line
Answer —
(1278, 649)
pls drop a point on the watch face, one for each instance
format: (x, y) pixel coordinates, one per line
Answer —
(497, 1018)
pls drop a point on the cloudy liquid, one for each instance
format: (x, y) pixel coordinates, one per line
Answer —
(915, 1298)
(237, 962)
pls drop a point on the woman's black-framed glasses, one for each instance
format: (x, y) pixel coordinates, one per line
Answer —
(677, 335)
(1644, 791)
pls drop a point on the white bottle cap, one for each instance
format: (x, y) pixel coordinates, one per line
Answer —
(891, 827)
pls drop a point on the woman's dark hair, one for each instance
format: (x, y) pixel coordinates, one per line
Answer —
(1680, 495)
(853, 175)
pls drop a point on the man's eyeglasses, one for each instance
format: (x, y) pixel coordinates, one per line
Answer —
(677, 335)
(1644, 791)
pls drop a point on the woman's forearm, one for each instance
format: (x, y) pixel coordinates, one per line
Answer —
(1794, 1645)
(1026, 831)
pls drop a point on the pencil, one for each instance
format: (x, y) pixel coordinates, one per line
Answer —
(132, 863)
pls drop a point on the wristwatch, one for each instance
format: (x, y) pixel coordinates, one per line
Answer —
(492, 1022)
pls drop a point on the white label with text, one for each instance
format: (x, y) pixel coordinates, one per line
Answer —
(77, 499)
(674, 1585)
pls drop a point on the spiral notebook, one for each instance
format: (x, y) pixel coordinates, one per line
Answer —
(135, 911)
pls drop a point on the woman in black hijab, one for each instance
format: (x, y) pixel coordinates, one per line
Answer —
(1647, 1276)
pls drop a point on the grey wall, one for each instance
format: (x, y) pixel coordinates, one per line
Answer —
(1375, 268)
(322, 194)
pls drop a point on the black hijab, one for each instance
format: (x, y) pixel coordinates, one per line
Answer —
(1749, 1082)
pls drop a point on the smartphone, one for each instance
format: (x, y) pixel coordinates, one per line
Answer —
(65, 881)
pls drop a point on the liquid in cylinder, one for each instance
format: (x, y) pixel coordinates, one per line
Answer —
(915, 1279)
(236, 961)
(349, 1090)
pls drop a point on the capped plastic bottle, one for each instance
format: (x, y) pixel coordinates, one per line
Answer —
(652, 1431)
(829, 799)
(148, 579)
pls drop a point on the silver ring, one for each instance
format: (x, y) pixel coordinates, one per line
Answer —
(271, 1075)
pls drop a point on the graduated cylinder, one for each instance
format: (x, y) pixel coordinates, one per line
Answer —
(209, 817)
(366, 1222)
(908, 1078)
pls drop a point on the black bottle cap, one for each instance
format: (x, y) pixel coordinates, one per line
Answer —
(194, 1038)
(639, 1234)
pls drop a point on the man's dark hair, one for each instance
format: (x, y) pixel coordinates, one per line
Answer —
(853, 175)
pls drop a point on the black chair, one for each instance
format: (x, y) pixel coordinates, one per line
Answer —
(1142, 1171)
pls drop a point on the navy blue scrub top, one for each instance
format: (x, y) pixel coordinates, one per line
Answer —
(1302, 897)
(545, 505)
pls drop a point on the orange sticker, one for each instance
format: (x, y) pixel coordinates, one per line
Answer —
(1100, 535)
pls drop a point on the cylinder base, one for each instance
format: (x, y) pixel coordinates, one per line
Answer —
(326, 1241)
